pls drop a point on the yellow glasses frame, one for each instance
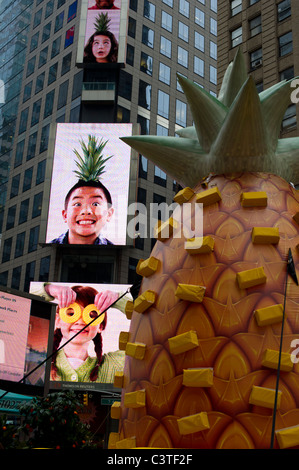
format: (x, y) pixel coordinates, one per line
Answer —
(71, 317)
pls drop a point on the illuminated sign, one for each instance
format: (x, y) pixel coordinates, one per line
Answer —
(102, 31)
(25, 325)
(83, 351)
(92, 212)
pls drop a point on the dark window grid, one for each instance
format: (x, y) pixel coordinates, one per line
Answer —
(20, 242)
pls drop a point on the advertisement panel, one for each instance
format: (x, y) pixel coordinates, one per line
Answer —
(25, 337)
(102, 29)
(86, 355)
(90, 182)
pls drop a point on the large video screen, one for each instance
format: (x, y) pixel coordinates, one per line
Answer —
(92, 212)
(103, 30)
(85, 352)
(26, 325)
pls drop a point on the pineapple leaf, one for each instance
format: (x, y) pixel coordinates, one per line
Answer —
(91, 163)
(102, 23)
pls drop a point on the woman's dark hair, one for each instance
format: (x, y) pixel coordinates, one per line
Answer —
(112, 56)
(92, 184)
(86, 296)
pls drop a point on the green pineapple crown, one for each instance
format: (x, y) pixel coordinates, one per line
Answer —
(102, 23)
(91, 165)
(236, 132)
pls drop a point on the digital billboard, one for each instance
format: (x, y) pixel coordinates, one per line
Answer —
(86, 355)
(102, 31)
(26, 326)
(90, 185)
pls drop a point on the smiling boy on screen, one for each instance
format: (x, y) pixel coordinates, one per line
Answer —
(88, 204)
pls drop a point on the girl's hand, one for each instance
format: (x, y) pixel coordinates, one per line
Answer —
(103, 300)
(63, 294)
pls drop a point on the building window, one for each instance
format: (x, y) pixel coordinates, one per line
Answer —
(213, 26)
(62, 95)
(285, 44)
(19, 153)
(52, 73)
(181, 113)
(132, 27)
(252, 2)
(77, 85)
(44, 138)
(132, 270)
(123, 114)
(11, 215)
(146, 63)
(256, 59)
(49, 8)
(255, 26)
(41, 172)
(58, 22)
(163, 104)
(166, 21)
(3, 278)
(43, 57)
(213, 50)
(125, 85)
(49, 102)
(199, 41)
(214, 5)
(23, 215)
(199, 66)
(287, 74)
(29, 275)
(142, 173)
(6, 250)
(27, 179)
(19, 250)
(35, 112)
(199, 17)
(44, 269)
(37, 205)
(213, 74)
(37, 18)
(144, 98)
(69, 37)
(34, 41)
(147, 36)
(182, 56)
(160, 177)
(130, 54)
(144, 124)
(164, 73)
(235, 7)
(30, 66)
(31, 146)
(165, 46)
(289, 120)
(236, 37)
(39, 84)
(183, 31)
(15, 184)
(149, 10)
(72, 12)
(184, 8)
(66, 63)
(133, 5)
(27, 91)
(16, 277)
(168, 2)
(56, 47)
(33, 239)
(283, 10)
(46, 32)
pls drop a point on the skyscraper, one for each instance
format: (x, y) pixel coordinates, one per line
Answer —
(51, 86)
(266, 33)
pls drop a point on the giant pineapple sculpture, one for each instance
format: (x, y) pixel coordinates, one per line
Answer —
(203, 347)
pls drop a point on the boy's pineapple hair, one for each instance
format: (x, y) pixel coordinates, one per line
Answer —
(90, 166)
(201, 354)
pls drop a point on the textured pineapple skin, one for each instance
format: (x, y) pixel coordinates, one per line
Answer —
(230, 341)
